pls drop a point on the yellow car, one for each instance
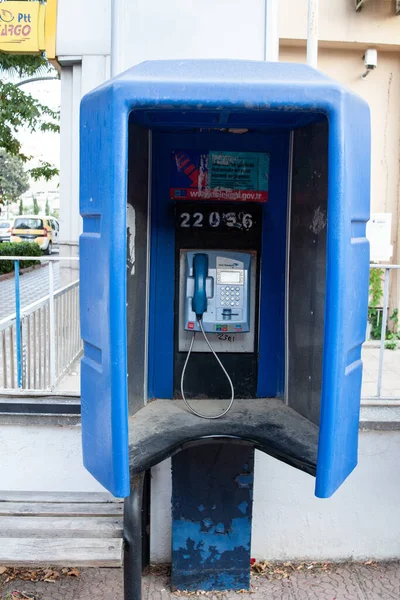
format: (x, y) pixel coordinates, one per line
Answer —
(35, 228)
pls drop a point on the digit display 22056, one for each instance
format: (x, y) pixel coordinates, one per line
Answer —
(214, 218)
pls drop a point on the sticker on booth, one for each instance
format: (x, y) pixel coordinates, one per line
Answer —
(219, 175)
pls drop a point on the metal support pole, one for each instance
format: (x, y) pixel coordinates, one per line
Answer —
(52, 327)
(383, 330)
(271, 49)
(133, 540)
(312, 34)
(18, 324)
(117, 22)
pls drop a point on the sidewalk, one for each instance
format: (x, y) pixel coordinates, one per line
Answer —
(390, 374)
(370, 355)
(347, 581)
(34, 285)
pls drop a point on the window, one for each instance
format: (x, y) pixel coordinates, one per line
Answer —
(28, 223)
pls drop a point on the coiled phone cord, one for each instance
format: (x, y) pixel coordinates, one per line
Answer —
(192, 410)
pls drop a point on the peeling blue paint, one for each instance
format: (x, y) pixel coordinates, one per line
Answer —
(212, 510)
(244, 480)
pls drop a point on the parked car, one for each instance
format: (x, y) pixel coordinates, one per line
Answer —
(35, 228)
(5, 230)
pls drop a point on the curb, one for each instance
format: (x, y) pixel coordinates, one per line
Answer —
(10, 275)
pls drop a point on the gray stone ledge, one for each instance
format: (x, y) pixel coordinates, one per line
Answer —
(378, 415)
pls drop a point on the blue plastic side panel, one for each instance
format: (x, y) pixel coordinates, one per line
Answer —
(346, 292)
(103, 290)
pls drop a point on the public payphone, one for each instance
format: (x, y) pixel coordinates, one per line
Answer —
(217, 291)
(206, 164)
(241, 288)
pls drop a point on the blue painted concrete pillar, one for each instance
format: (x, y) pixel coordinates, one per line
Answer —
(212, 499)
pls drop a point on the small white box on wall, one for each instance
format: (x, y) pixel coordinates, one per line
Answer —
(379, 229)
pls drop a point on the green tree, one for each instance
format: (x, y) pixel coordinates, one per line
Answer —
(18, 109)
(47, 208)
(36, 209)
(21, 207)
(13, 179)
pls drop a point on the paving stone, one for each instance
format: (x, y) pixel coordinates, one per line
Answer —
(343, 582)
(381, 581)
(33, 286)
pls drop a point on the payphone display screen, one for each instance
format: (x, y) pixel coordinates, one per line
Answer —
(230, 277)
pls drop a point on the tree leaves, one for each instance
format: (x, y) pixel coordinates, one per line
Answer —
(25, 65)
(13, 179)
(50, 575)
(19, 109)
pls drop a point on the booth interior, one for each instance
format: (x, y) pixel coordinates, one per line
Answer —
(244, 185)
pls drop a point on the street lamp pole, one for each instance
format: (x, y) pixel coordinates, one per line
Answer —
(117, 23)
(33, 79)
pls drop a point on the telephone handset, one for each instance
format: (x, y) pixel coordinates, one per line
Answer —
(200, 271)
(217, 300)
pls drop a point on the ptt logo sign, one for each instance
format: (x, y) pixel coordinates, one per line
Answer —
(22, 26)
(16, 26)
(7, 16)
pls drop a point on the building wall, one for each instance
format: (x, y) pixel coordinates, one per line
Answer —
(361, 520)
(339, 23)
(174, 29)
(381, 89)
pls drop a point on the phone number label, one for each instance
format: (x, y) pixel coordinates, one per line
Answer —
(215, 219)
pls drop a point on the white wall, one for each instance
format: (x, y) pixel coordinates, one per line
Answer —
(361, 520)
(83, 27)
(43, 459)
(192, 29)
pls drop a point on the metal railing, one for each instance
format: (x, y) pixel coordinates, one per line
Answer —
(40, 342)
(385, 308)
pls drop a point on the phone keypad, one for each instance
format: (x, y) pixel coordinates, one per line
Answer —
(229, 295)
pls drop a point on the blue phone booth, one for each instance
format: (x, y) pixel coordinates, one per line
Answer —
(224, 289)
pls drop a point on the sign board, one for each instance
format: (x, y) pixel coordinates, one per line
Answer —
(379, 234)
(219, 175)
(28, 27)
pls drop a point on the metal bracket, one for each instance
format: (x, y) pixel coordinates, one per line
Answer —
(359, 4)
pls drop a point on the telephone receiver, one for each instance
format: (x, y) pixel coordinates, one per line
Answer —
(200, 272)
(199, 306)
